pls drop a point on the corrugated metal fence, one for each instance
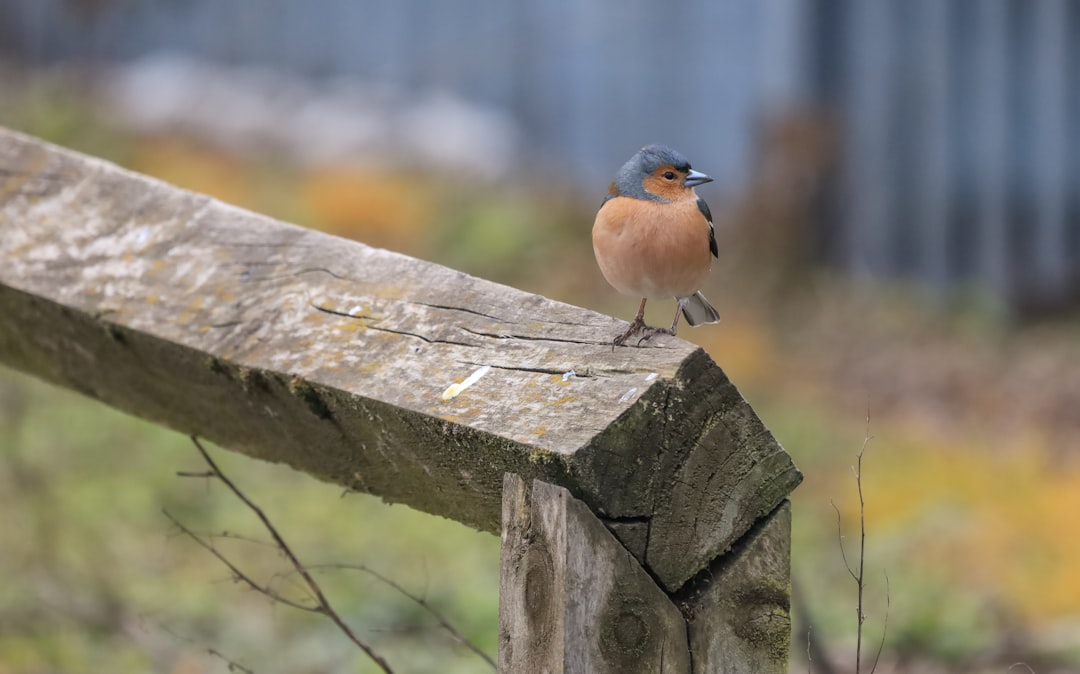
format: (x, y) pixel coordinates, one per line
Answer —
(961, 156)
(589, 82)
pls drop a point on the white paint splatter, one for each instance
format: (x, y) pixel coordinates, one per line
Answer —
(628, 395)
(567, 375)
(455, 389)
(652, 376)
(143, 236)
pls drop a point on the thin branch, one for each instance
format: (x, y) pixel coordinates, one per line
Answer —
(191, 473)
(233, 536)
(322, 604)
(862, 545)
(858, 574)
(419, 601)
(236, 572)
(862, 565)
(840, 542)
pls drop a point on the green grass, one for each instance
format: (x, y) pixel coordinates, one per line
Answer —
(105, 583)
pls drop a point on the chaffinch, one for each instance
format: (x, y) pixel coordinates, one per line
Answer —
(654, 237)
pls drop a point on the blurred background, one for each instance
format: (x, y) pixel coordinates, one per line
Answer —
(897, 196)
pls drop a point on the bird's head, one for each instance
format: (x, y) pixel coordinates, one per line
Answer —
(657, 172)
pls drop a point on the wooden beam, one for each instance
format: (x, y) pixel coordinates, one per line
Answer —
(336, 358)
(572, 599)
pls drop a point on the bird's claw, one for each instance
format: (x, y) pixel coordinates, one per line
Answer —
(636, 327)
(651, 332)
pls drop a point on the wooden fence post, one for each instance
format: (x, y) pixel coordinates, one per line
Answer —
(422, 385)
(572, 598)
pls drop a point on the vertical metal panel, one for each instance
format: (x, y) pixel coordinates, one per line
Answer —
(933, 181)
(784, 40)
(990, 123)
(35, 28)
(869, 112)
(587, 83)
(1049, 89)
(1072, 143)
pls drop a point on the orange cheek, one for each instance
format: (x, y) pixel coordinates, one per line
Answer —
(662, 188)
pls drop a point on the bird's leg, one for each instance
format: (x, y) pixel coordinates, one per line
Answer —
(637, 324)
(650, 332)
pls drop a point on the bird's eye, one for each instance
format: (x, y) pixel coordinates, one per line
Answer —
(669, 175)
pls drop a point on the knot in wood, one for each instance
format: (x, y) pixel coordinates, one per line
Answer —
(626, 630)
(539, 591)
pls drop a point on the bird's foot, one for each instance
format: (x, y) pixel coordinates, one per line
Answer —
(636, 326)
(648, 332)
(651, 332)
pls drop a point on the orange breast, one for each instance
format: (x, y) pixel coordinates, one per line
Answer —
(651, 249)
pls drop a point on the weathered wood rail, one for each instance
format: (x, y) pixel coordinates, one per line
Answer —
(294, 346)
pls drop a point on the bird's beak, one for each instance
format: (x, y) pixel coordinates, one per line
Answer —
(695, 178)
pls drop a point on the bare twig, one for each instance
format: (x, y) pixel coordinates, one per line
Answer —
(857, 573)
(885, 624)
(419, 601)
(321, 603)
(840, 542)
(268, 590)
(237, 573)
(862, 546)
(233, 536)
(191, 473)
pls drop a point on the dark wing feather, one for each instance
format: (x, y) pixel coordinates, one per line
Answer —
(704, 208)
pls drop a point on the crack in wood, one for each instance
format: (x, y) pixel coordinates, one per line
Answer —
(405, 333)
(344, 314)
(287, 275)
(317, 270)
(448, 307)
(429, 340)
(531, 338)
(538, 370)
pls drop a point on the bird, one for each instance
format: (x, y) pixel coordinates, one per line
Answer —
(654, 237)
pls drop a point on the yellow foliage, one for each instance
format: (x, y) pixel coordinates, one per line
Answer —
(195, 168)
(742, 346)
(1000, 523)
(380, 207)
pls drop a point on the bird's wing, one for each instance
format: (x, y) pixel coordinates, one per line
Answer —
(704, 208)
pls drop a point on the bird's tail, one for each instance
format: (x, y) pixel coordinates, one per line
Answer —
(697, 310)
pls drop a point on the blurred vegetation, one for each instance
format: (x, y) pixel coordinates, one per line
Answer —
(971, 479)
